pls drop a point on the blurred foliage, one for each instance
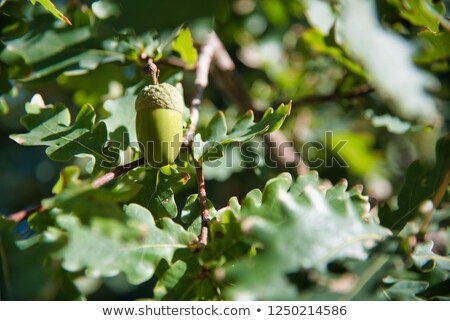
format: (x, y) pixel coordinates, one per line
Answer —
(360, 88)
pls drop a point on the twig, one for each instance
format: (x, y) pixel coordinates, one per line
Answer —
(23, 214)
(316, 99)
(285, 154)
(203, 238)
(201, 82)
(102, 180)
(228, 80)
(204, 62)
(117, 172)
(177, 63)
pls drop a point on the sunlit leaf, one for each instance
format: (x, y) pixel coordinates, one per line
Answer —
(4, 107)
(423, 256)
(51, 126)
(217, 136)
(420, 185)
(157, 192)
(356, 151)
(406, 290)
(184, 45)
(47, 4)
(422, 13)
(317, 42)
(191, 213)
(314, 229)
(121, 123)
(437, 46)
(31, 46)
(111, 247)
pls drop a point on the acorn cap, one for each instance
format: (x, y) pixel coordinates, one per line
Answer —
(163, 96)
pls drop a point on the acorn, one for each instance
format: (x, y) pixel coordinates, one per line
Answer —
(159, 125)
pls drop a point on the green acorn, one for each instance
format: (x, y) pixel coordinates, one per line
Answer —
(159, 125)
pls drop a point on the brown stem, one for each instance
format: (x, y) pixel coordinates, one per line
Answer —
(23, 214)
(285, 154)
(228, 80)
(205, 58)
(177, 63)
(153, 71)
(203, 238)
(102, 180)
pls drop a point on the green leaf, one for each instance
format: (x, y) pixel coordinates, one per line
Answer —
(191, 215)
(5, 84)
(245, 129)
(276, 12)
(26, 271)
(388, 59)
(50, 126)
(357, 151)
(47, 4)
(185, 283)
(68, 178)
(421, 184)
(299, 226)
(12, 27)
(421, 13)
(406, 290)
(425, 258)
(232, 162)
(121, 123)
(169, 278)
(369, 274)
(86, 61)
(35, 47)
(80, 198)
(194, 278)
(184, 45)
(4, 107)
(131, 46)
(437, 46)
(110, 247)
(316, 41)
(157, 193)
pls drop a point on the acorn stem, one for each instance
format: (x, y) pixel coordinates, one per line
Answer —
(153, 71)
